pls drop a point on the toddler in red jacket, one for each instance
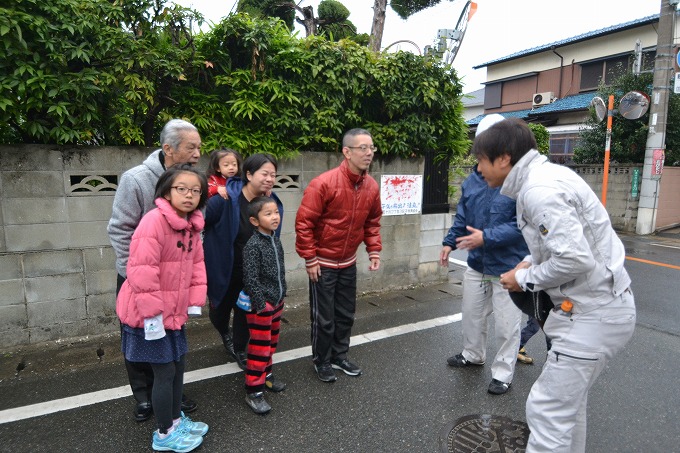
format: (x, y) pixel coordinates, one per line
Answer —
(166, 283)
(224, 164)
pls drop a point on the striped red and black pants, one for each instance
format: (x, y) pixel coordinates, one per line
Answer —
(264, 337)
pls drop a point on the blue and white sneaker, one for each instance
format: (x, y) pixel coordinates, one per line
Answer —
(194, 428)
(179, 440)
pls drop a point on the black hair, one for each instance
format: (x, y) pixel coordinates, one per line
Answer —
(255, 162)
(350, 134)
(167, 180)
(256, 205)
(511, 136)
(217, 155)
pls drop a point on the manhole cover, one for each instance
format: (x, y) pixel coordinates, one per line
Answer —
(484, 433)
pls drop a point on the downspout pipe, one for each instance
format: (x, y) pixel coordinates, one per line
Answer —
(559, 90)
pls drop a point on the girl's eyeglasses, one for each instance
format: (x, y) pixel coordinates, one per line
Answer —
(184, 190)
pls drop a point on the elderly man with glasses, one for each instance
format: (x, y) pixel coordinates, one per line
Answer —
(180, 143)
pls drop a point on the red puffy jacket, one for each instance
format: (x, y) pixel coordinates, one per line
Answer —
(339, 211)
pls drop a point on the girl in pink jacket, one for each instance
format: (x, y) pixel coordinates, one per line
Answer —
(166, 283)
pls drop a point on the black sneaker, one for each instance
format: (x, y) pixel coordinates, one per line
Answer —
(274, 384)
(345, 365)
(459, 361)
(325, 372)
(188, 405)
(257, 403)
(497, 387)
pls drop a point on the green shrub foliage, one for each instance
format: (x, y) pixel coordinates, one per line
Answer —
(112, 75)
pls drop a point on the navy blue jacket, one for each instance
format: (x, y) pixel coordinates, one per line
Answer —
(221, 228)
(484, 208)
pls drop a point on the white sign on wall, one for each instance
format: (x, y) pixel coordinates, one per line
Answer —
(401, 194)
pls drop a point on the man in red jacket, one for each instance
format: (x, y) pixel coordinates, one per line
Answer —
(340, 209)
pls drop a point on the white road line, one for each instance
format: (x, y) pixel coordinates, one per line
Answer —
(664, 245)
(86, 399)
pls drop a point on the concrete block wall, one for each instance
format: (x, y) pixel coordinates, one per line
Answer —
(57, 274)
(621, 205)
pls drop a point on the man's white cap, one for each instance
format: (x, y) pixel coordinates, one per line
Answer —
(487, 122)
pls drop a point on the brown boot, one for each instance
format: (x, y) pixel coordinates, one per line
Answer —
(523, 357)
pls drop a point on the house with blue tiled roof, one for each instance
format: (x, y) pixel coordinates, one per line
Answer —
(554, 84)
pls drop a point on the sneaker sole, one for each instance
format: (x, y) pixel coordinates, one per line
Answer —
(182, 450)
(463, 365)
(348, 373)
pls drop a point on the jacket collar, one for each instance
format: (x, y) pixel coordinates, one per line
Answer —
(515, 180)
(193, 223)
(153, 162)
(353, 178)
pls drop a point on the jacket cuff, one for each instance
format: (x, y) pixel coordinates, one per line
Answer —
(194, 311)
(312, 262)
(521, 277)
(374, 255)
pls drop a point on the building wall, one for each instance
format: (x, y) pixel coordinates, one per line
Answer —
(612, 44)
(57, 273)
(669, 208)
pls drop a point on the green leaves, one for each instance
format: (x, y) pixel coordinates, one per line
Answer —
(107, 73)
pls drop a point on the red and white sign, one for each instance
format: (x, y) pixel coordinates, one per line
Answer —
(401, 194)
(657, 162)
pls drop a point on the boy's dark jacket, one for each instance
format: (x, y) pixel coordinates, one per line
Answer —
(264, 274)
(222, 219)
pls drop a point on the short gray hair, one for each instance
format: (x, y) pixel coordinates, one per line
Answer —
(353, 133)
(171, 133)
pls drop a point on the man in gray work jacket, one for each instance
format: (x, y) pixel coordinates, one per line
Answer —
(575, 257)
(180, 143)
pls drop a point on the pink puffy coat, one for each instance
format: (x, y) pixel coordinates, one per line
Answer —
(165, 271)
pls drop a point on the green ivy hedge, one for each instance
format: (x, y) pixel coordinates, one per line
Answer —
(247, 83)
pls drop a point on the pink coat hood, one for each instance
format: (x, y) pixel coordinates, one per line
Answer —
(165, 271)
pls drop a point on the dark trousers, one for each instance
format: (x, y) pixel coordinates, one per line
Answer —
(529, 331)
(140, 374)
(332, 303)
(264, 338)
(219, 315)
(166, 397)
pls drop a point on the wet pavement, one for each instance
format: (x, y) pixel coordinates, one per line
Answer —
(407, 400)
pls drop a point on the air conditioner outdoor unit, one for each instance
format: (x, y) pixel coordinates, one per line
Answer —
(543, 98)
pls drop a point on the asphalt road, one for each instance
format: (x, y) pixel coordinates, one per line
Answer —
(407, 400)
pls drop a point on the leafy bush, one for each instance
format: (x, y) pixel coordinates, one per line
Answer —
(94, 72)
(114, 75)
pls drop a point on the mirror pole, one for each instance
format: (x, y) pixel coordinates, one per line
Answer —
(605, 174)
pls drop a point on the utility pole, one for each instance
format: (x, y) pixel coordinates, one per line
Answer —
(663, 72)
